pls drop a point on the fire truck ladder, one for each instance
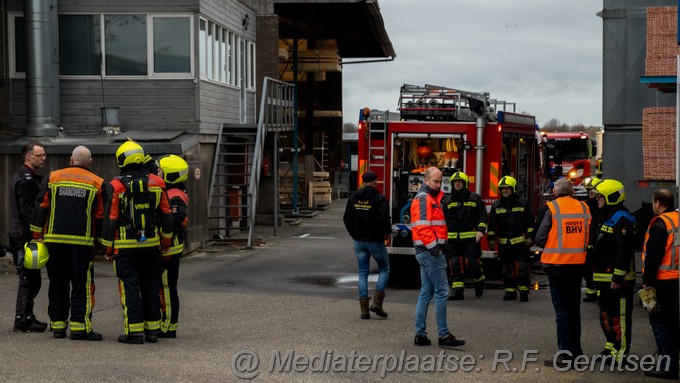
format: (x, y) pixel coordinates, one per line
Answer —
(377, 155)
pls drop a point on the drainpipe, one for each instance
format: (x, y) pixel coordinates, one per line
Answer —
(40, 122)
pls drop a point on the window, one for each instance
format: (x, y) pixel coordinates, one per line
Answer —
(131, 44)
(172, 44)
(80, 50)
(125, 45)
(225, 57)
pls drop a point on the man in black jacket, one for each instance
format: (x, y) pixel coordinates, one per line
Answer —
(368, 222)
(24, 189)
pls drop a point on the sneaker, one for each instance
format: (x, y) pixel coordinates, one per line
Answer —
(456, 295)
(510, 296)
(168, 334)
(524, 296)
(450, 341)
(479, 289)
(131, 339)
(82, 335)
(59, 334)
(422, 340)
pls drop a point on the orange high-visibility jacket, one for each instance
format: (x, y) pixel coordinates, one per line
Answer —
(669, 264)
(568, 236)
(427, 221)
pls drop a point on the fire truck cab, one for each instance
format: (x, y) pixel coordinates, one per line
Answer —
(452, 130)
(571, 155)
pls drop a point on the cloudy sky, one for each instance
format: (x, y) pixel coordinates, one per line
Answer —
(544, 55)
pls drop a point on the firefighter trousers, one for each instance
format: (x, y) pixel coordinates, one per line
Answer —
(139, 280)
(515, 267)
(71, 273)
(616, 318)
(464, 259)
(169, 296)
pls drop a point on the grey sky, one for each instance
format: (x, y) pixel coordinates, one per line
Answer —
(545, 55)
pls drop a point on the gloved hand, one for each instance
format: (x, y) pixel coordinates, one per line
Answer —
(529, 242)
(479, 236)
(492, 244)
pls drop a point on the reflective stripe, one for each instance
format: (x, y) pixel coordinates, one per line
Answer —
(57, 325)
(458, 285)
(513, 241)
(462, 235)
(69, 239)
(152, 325)
(134, 244)
(518, 209)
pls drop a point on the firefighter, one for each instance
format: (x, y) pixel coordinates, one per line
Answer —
(466, 223)
(591, 201)
(174, 172)
(23, 190)
(510, 226)
(134, 201)
(71, 202)
(613, 257)
(660, 274)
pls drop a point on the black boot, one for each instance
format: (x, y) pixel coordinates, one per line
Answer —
(363, 303)
(136, 338)
(524, 296)
(479, 289)
(510, 296)
(456, 295)
(82, 335)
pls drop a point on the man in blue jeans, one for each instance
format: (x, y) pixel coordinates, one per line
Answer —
(429, 234)
(368, 222)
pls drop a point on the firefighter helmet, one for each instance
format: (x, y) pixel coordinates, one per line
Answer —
(460, 176)
(35, 255)
(591, 182)
(129, 153)
(175, 169)
(508, 182)
(612, 190)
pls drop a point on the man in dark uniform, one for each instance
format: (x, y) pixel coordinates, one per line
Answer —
(23, 191)
(367, 219)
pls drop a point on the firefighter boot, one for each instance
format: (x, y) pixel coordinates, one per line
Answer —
(590, 296)
(479, 289)
(510, 295)
(524, 296)
(376, 307)
(363, 302)
(456, 295)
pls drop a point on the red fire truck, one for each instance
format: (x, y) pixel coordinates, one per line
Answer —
(452, 130)
(573, 153)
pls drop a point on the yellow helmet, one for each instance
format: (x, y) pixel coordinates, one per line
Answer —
(591, 182)
(508, 182)
(612, 190)
(175, 169)
(460, 176)
(129, 153)
(35, 255)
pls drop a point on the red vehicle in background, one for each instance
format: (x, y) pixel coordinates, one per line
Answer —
(571, 155)
(452, 130)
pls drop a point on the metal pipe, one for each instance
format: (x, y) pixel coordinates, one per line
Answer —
(40, 120)
(481, 123)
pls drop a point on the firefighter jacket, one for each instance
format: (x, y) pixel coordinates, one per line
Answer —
(118, 235)
(614, 248)
(427, 220)
(659, 255)
(465, 214)
(511, 221)
(563, 233)
(24, 188)
(179, 204)
(71, 207)
(367, 216)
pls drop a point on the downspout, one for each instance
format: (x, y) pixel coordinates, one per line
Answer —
(39, 89)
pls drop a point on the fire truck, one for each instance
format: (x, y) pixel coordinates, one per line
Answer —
(570, 155)
(453, 130)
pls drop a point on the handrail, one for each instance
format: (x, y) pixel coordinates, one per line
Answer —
(276, 111)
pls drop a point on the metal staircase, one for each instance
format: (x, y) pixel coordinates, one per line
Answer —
(238, 160)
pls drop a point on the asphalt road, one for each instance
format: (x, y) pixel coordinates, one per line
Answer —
(292, 305)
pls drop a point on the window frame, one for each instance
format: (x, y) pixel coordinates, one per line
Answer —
(11, 25)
